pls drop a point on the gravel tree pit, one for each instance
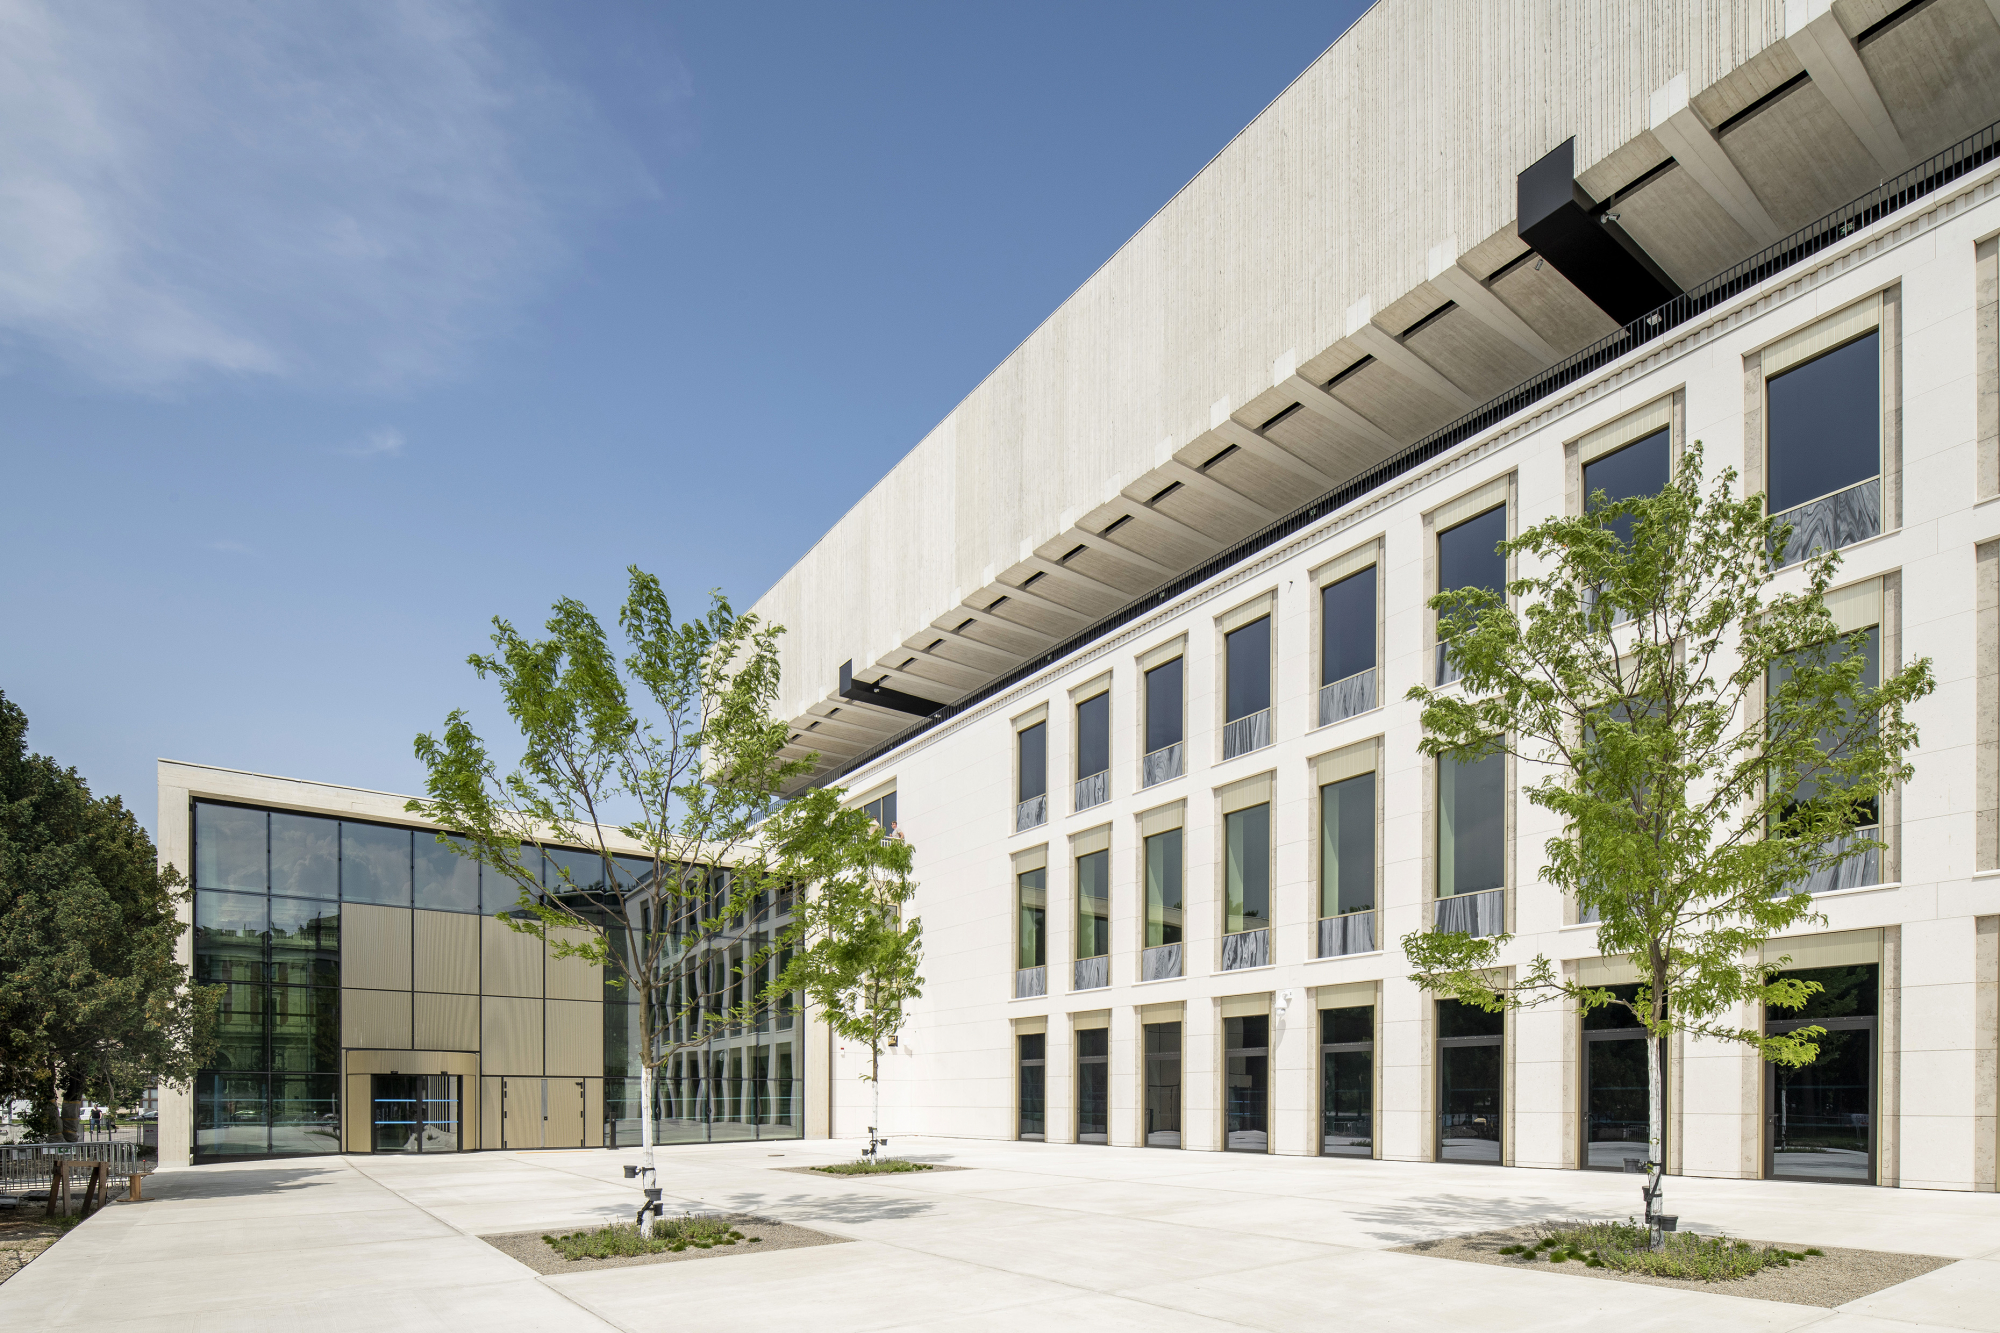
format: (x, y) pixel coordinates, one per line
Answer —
(536, 1253)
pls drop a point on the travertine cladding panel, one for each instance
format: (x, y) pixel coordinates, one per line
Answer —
(575, 1038)
(1405, 135)
(513, 961)
(447, 952)
(511, 1036)
(375, 947)
(447, 1022)
(375, 1018)
(572, 978)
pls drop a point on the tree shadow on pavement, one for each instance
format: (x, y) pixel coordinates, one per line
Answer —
(850, 1208)
(1428, 1217)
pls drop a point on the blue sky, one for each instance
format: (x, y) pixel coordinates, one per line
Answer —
(328, 332)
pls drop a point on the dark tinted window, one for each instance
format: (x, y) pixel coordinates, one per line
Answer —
(1093, 1042)
(1457, 1019)
(1249, 1033)
(1249, 654)
(1093, 735)
(1247, 868)
(1163, 706)
(1347, 1025)
(1347, 845)
(1467, 557)
(1034, 745)
(1641, 468)
(1347, 627)
(1472, 832)
(1825, 427)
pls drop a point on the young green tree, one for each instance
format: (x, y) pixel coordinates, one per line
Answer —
(672, 747)
(859, 970)
(88, 931)
(1707, 744)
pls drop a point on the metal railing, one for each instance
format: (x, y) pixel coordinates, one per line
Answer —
(1091, 973)
(1246, 948)
(1093, 790)
(1246, 734)
(1937, 172)
(1832, 521)
(1483, 913)
(1352, 932)
(1160, 962)
(1161, 764)
(1345, 698)
(1029, 981)
(1031, 813)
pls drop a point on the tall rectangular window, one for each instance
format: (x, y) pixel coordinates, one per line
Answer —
(1820, 1118)
(1247, 869)
(1470, 1083)
(1093, 751)
(1031, 750)
(1163, 723)
(1865, 867)
(1093, 905)
(1163, 1085)
(1163, 889)
(1347, 647)
(1093, 1085)
(1616, 1119)
(1032, 900)
(1347, 846)
(1824, 447)
(1033, 1055)
(1643, 467)
(1468, 557)
(1246, 1060)
(1347, 1082)
(883, 810)
(1247, 688)
(1472, 830)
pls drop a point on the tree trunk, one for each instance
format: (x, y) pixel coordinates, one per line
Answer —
(875, 1088)
(72, 1102)
(646, 1176)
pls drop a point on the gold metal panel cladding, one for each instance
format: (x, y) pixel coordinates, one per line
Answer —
(360, 1103)
(447, 1022)
(447, 952)
(573, 978)
(575, 1038)
(489, 1112)
(374, 947)
(511, 1035)
(513, 961)
(593, 1113)
(375, 1018)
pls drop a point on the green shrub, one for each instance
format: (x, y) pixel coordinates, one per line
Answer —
(885, 1167)
(622, 1239)
(1626, 1247)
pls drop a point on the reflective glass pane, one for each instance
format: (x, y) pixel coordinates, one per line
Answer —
(1469, 1103)
(1163, 889)
(1356, 1023)
(240, 1028)
(500, 889)
(1825, 427)
(1615, 1115)
(1347, 1103)
(1163, 706)
(1472, 830)
(231, 1116)
(569, 871)
(1032, 1083)
(1347, 845)
(229, 848)
(1093, 905)
(305, 1114)
(397, 1112)
(305, 1029)
(1246, 1083)
(1821, 1116)
(1468, 556)
(1163, 1085)
(1034, 760)
(305, 942)
(1247, 868)
(1456, 1019)
(1033, 895)
(1093, 735)
(1643, 467)
(1347, 627)
(305, 855)
(1248, 651)
(374, 864)
(229, 936)
(446, 881)
(1845, 992)
(1092, 1089)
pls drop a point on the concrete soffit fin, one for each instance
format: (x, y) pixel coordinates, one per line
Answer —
(1692, 144)
(1823, 47)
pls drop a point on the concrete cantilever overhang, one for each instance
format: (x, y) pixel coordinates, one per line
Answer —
(1341, 281)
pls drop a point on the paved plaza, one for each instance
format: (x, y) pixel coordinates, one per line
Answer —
(1034, 1236)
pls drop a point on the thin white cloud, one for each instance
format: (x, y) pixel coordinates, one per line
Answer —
(382, 442)
(347, 194)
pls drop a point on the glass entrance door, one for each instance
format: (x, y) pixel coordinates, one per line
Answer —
(1246, 1083)
(416, 1113)
(1616, 1118)
(1093, 1085)
(1347, 1082)
(1819, 1120)
(1470, 1080)
(1163, 1085)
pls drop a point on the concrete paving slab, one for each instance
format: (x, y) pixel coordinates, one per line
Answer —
(1965, 1295)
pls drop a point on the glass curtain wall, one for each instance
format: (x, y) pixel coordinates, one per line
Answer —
(1163, 1085)
(1246, 1055)
(1470, 1085)
(1615, 1112)
(1032, 1048)
(1820, 1119)
(1347, 1082)
(1093, 1085)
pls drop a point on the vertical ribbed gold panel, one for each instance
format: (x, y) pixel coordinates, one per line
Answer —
(572, 978)
(374, 947)
(513, 962)
(511, 1036)
(447, 1022)
(489, 1113)
(359, 1114)
(447, 952)
(593, 1113)
(576, 1038)
(375, 1018)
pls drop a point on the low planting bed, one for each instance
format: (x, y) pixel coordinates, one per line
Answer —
(674, 1239)
(1619, 1251)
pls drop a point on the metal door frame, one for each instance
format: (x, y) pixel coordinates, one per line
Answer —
(1870, 1023)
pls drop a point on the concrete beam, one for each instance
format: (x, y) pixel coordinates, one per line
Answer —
(1099, 542)
(1188, 476)
(1822, 46)
(897, 679)
(932, 633)
(1261, 449)
(1014, 594)
(1380, 344)
(1687, 137)
(1054, 570)
(1338, 414)
(1012, 626)
(1144, 515)
(904, 652)
(1475, 298)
